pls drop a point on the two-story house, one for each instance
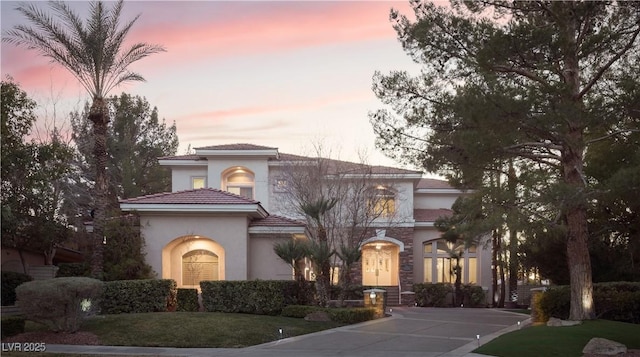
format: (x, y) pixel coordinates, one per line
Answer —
(226, 211)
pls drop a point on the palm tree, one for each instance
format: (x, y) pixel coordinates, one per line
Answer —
(319, 250)
(292, 251)
(349, 255)
(94, 52)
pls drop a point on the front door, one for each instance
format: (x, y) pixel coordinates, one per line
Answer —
(380, 264)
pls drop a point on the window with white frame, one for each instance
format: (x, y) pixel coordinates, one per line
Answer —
(382, 202)
(198, 182)
(440, 259)
(239, 181)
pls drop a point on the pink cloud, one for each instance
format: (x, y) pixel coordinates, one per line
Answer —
(268, 28)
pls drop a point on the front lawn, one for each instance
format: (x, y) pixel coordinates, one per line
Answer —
(194, 329)
(568, 341)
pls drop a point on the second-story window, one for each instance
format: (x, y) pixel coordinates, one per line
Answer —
(382, 202)
(198, 182)
(240, 181)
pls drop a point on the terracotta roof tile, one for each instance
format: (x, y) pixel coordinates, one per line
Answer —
(430, 215)
(434, 184)
(183, 157)
(346, 167)
(276, 221)
(241, 146)
(204, 196)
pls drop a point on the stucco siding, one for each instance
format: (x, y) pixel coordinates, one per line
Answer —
(264, 263)
(434, 200)
(181, 177)
(230, 232)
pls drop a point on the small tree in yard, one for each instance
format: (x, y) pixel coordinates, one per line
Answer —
(340, 202)
(60, 303)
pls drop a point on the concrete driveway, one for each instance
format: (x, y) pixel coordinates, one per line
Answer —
(409, 331)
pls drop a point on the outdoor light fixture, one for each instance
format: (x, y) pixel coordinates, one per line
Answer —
(372, 296)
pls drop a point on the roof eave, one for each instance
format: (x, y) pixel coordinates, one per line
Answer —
(255, 210)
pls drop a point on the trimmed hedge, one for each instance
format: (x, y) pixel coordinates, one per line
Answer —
(10, 281)
(262, 297)
(73, 269)
(617, 301)
(187, 300)
(136, 296)
(434, 295)
(474, 296)
(344, 315)
(12, 325)
(300, 311)
(352, 315)
(60, 303)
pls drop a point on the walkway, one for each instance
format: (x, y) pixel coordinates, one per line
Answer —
(409, 332)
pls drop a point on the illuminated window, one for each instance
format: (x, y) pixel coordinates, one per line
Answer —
(198, 182)
(239, 181)
(382, 202)
(442, 262)
(199, 265)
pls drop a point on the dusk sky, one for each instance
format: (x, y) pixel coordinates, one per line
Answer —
(282, 74)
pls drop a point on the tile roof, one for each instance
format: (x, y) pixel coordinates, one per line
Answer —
(241, 146)
(430, 215)
(346, 167)
(183, 157)
(276, 221)
(434, 184)
(204, 196)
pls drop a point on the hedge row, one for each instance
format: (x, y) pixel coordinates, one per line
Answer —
(262, 297)
(617, 301)
(344, 315)
(135, 296)
(187, 300)
(441, 295)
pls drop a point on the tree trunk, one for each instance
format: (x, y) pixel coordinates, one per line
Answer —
(578, 257)
(494, 266)
(573, 147)
(99, 115)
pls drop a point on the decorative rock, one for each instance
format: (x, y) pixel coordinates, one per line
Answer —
(557, 322)
(317, 316)
(602, 346)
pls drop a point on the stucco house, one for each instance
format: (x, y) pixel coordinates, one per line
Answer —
(226, 211)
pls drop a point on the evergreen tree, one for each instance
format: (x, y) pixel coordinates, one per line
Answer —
(536, 85)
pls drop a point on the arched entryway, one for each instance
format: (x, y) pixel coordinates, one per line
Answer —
(191, 259)
(380, 263)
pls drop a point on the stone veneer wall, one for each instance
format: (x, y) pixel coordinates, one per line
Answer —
(405, 235)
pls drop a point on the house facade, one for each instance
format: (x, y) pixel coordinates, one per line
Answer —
(229, 206)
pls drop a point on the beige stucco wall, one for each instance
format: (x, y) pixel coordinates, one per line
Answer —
(181, 176)
(434, 200)
(263, 261)
(228, 232)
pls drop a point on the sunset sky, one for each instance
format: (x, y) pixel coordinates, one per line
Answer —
(283, 74)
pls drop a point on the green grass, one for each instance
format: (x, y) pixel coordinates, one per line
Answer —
(194, 329)
(567, 341)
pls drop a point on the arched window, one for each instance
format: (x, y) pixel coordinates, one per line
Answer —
(442, 257)
(239, 181)
(382, 202)
(199, 265)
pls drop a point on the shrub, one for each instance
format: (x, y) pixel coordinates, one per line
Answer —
(187, 300)
(352, 315)
(354, 292)
(12, 325)
(73, 269)
(136, 296)
(428, 294)
(300, 311)
(262, 297)
(10, 281)
(60, 303)
(474, 296)
(618, 301)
